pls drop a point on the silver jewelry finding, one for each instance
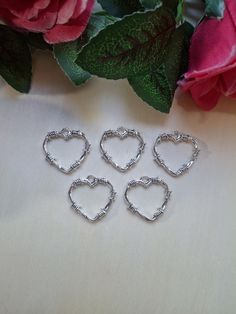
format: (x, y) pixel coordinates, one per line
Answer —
(146, 182)
(92, 182)
(65, 134)
(176, 137)
(122, 133)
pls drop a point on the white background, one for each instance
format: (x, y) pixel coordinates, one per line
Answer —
(53, 261)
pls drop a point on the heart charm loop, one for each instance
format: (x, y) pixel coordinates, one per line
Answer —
(176, 138)
(146, 182)
(65, 134)
(122, 133)
(92, 182)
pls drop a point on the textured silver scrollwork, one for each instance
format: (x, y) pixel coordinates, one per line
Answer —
(146, 182)
(66, 134)
(176, 137)
(122, 133)
(92, 182)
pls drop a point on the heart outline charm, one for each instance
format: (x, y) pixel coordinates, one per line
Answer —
(146, 182)
(122, 133)
(92, 182)
(176, 137)
(66, 134)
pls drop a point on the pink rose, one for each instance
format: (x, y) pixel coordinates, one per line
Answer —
(212, 68)
(58, 20)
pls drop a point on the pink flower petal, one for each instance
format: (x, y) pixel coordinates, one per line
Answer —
(205, 101)
(66, 10)
(25, 9)
(208, 38)
(71, 30)
(232, 11)
(46, 19)
(212, 68)
(228, 82)
(81, 6)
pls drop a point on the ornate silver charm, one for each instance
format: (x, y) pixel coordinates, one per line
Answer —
(122, 133)
(176, 137)
(65, 134)
(92, 182)
(146, 182)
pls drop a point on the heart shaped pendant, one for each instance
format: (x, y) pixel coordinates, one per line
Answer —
(65, 134)
(176, 138)
(92, 182)
(122, 133)
(146, 182)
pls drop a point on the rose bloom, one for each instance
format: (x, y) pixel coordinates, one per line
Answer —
(58, 20)
(212, 64)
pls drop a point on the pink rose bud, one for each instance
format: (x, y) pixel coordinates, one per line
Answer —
(59, 21)
(212, 64)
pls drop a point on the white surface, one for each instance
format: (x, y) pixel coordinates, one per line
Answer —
(54, 262)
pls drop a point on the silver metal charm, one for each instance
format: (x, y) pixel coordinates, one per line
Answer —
(122, 133)
(176, 137)
(146, 182)
(65, 134)
(92, 182)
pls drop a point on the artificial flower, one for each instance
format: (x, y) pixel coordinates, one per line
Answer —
(212, 62)
(58, 20)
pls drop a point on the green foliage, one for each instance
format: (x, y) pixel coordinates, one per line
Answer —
(171, 4)
(158, 86)
(66, 53)
(15, 59)
(36, 41)
(120, 8)
(130, 46)
(145, 41)
(150, 4)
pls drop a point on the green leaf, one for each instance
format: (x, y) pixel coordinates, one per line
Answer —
(120, 8)
(15, 59)
(66, 53)
(36, 41)
(150, 4)
(157, 88)
(215, 8)
(153, 88)
(130, 46)
(172, 4)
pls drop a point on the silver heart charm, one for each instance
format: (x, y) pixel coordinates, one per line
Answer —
(92, 182)
(146, 182)
(65, 134)
(122, 133)
(176, 138)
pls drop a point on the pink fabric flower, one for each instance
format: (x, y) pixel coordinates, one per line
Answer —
(212, 68)
(58, 20)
